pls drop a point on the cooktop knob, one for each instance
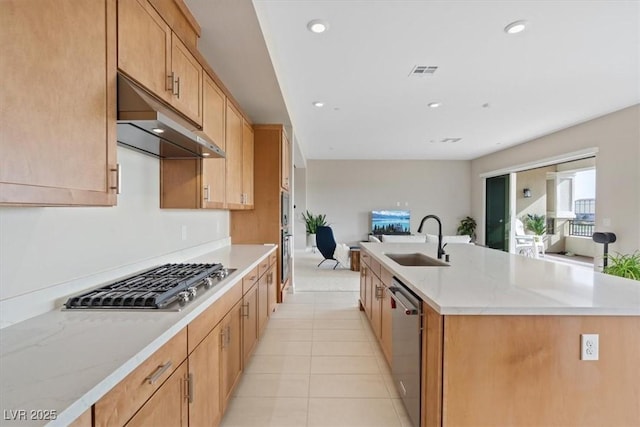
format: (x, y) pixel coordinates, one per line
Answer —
(183, 298)
(192, 291)
(208, 283)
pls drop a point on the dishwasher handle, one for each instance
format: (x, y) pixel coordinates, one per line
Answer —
(391, 290)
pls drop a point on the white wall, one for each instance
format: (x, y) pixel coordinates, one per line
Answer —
(617, 138)
(348, 190)
(299, 206)
(43, 247)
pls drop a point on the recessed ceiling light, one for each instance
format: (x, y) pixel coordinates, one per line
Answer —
(318, 104)
(434, 104)
(157, 130)
(317, 26)
(515, 27)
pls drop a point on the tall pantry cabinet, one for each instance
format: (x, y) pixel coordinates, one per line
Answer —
(263, 224)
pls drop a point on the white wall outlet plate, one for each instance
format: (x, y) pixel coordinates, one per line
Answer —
(589, 347)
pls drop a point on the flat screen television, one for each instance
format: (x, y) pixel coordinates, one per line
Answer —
(391, 222)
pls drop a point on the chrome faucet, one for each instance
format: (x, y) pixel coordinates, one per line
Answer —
(440, 248)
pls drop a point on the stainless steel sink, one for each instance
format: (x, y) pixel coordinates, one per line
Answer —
(416, 260)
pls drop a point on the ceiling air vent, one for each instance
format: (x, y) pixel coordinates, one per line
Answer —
(423, 70)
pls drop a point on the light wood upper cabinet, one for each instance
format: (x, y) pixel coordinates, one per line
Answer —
(247, 165)
(144, 46)
(58, 132)
(150, 53)
(234, 130)
(199, 183)
(286, 162)
(186, 72)
(214, 104)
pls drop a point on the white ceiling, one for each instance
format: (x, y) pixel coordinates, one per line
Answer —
(576, 60)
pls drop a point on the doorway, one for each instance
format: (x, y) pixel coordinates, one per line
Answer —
(497, 213)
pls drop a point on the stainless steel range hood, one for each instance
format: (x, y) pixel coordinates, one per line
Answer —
(147, 125)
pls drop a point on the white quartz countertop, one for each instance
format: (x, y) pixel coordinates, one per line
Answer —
(483, 281)
(64, 361)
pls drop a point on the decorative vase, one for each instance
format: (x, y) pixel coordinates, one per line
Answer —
(311, 240)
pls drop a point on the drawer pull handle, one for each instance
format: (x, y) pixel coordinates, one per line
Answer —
(247, 307)
(158, 372)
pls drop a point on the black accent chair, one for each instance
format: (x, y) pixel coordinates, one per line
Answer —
(326, 244)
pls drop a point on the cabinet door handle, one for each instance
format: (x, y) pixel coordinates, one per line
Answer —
(378, 292)
(170, 80)
(223, 338)
(177, 85)
(190, 387)
(228, 335)
(118, 174)
(247, 307)
(158, 372)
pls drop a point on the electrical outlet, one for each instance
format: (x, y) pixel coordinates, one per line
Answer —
(589, 346)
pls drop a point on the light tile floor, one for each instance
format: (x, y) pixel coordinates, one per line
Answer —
(317, 364)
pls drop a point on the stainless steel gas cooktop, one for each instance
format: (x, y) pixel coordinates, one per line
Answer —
(167, 287)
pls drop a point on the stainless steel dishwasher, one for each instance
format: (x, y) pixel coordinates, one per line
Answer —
(407, 347)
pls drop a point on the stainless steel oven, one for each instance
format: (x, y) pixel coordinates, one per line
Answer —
(406, 347)
(285, 251)
(285, 209)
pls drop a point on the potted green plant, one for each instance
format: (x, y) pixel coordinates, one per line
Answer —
(467, 227)
(312, 222)
(536, 223)
(624, 265)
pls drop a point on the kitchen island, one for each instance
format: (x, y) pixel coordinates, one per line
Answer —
(501, 340)
(55, 366)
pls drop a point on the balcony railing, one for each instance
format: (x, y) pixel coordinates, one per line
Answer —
(578, 228)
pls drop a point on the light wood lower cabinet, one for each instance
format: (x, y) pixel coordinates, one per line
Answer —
(231, 354)
(204, 373)
(272, 284)
(168, 406)
(385, 319)
(58, 132)
(376, 305)
(124, 400)
(84, 420)
(249, 322)
(215, 346)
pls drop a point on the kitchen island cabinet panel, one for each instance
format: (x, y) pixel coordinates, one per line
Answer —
(168, 406)
(119, 404)
(58, 133)
(531, 365)
(432, 335)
